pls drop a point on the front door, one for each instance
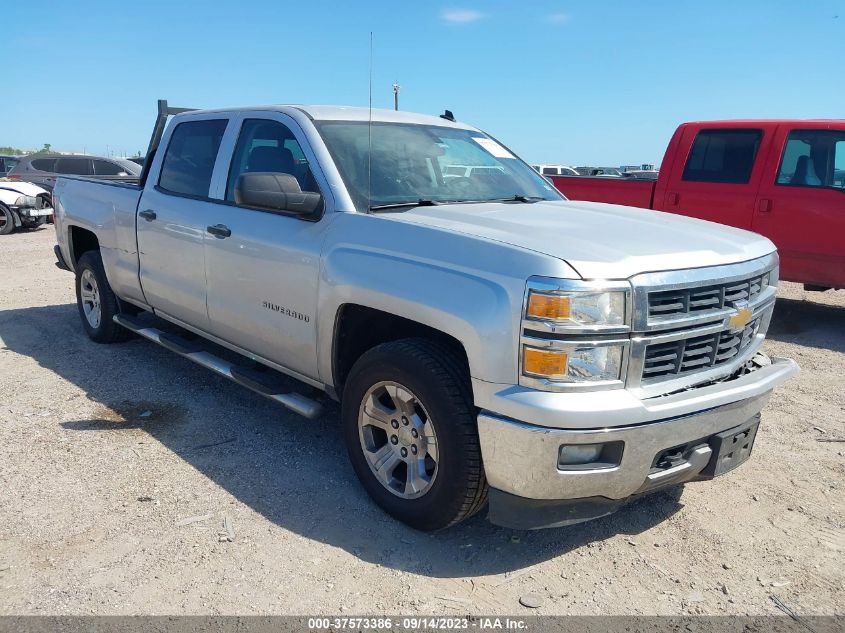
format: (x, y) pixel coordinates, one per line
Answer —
(801, 205)
(263, 274)
(172, 218)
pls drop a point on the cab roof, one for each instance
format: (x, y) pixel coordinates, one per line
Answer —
(350, 113)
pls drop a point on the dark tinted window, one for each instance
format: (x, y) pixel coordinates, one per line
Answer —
(723, 156)
(107, 168)
(550, 171)
(73, 166)
(43, 164)
(190, 157)
(269, 146)
(813, 158)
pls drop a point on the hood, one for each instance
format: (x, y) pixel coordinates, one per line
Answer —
(600, 241)
(22, 188)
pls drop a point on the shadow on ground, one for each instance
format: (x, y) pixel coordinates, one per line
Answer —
(808, 324)
(293, 471)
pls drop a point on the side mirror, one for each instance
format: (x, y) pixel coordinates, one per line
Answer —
(276, 192)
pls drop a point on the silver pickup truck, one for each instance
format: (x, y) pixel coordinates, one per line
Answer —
(491, 343)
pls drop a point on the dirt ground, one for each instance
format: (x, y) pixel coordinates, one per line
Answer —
(120, 464)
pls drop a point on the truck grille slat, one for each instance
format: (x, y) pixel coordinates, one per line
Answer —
(664, 304)
(676, 358)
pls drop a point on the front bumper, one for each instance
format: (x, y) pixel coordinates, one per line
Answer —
(32, 212)
(521, 459)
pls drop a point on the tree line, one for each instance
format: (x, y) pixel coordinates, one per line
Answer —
(14, 151)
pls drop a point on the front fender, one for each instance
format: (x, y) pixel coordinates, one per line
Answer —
(468, 288)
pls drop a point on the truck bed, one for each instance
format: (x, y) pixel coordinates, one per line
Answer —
(627, 191)
(107, 209)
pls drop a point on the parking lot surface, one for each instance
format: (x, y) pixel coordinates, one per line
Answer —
(135, 482)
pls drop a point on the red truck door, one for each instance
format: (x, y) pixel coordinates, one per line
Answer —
(716, 173)
(801, 203)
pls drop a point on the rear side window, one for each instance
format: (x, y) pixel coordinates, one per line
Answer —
(73, 166)
(106, 168)
(550, 171)
(725, 156)
(43, 164)
(189, 161)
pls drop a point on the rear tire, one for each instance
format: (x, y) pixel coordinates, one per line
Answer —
(96, 302)
(7, 220)
(413, 395)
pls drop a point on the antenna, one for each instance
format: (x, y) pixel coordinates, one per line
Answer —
(370, 133)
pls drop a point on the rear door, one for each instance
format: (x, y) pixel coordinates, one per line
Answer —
(801, 203)
(173, 214)
(718, 177)
(263, 276)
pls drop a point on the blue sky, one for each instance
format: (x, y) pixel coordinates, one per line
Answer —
(556, 80)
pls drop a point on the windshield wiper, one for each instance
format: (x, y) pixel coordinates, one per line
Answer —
(519, 198)
(516, 198)
(401, 205)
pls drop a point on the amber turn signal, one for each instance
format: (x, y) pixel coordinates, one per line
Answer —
(543, 306)
(544, 363)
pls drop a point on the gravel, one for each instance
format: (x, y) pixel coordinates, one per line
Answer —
(134, 482)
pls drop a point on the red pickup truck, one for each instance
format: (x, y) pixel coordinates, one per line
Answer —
(784, 179)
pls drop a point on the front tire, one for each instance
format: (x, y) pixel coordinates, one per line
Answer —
(411, 433)
(96, 302)
(7, 220)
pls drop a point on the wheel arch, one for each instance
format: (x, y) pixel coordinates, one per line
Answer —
(360, 328)
(81, 240)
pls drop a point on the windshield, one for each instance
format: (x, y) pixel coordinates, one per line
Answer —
(412, 163)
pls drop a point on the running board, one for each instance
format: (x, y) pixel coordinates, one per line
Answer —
(243, 376)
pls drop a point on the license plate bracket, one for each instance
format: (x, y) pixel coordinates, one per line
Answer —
(731, 448)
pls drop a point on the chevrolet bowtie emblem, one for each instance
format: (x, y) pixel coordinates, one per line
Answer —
(739, 320)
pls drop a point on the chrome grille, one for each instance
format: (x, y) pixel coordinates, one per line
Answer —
(702, 299)
(687, 355)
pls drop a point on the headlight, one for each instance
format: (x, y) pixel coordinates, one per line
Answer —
(26, 201)
(572, 362)
(575, 333)
(579, 309)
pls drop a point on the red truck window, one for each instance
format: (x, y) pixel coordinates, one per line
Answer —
(813, 158)
(723, 156)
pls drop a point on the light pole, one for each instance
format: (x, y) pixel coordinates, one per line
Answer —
(396, 88)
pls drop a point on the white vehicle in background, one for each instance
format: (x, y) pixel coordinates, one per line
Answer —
(23, 205)
(555, 170)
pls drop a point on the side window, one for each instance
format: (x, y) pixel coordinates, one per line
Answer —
(73, 166)
(43, 164)
(106, 168)
(839, 165)
(189, 161)
(550, 171)
(813, 158)
(268, 146)
(724, 156)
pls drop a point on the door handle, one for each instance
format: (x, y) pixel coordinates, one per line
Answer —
(765, 205)
(673, 198)
(148, 214)
(219, 230)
